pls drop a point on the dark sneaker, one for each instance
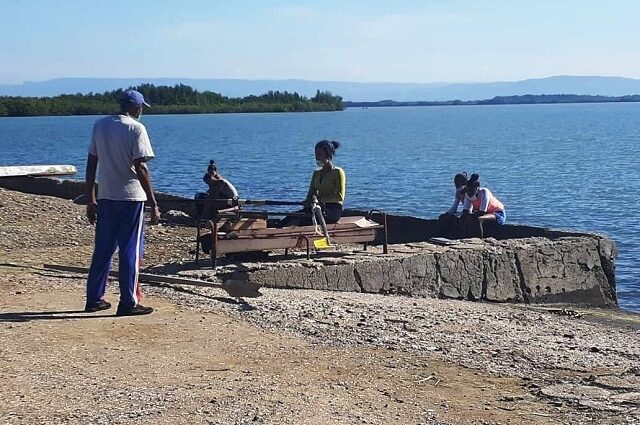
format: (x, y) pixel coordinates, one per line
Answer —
(133, 311)
(99, 306)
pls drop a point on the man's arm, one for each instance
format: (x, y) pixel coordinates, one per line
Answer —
(90, 182)
(142, 171)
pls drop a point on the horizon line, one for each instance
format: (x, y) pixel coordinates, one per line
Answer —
(320, 81)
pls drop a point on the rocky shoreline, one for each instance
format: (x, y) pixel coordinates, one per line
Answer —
(576, 365)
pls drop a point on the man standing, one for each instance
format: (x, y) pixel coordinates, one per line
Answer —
(119, 150)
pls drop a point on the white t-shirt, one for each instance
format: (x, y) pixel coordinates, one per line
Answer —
(117, 141)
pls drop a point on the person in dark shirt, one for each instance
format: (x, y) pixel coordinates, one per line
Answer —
(449, 221)
(219, 188)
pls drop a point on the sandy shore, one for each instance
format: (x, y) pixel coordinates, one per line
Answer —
(290, 356)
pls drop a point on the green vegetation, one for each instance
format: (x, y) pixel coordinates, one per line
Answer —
(505, 100)
(179, 99)
(556, 98)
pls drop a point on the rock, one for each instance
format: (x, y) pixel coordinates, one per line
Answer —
(626, 383)
(575, 392)
(410, 328)
(177, 217)
(565, 270)
(632, 398)
(501, 278)
(461, 274)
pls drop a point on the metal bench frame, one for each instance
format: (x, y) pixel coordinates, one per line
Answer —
(211, 224)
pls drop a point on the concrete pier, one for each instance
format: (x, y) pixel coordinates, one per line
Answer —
(572, 269)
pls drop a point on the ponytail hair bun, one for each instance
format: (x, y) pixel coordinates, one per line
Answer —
(460, 179)
(473, 183)
(328, 146)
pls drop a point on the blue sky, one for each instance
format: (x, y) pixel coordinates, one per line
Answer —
(401, 41)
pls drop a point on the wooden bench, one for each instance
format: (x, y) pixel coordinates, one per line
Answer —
(347, 230)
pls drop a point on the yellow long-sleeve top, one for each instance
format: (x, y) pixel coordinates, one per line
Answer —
(328, 186)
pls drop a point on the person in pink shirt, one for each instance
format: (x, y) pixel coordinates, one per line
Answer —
(481, 206)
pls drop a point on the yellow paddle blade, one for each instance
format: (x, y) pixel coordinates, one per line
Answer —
(321, 243)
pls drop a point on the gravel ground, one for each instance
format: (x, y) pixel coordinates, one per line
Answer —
(545, 347)
(488, 363)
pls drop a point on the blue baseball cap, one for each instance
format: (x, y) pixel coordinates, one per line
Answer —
(132, 97)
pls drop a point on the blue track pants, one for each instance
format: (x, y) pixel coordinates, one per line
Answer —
(119, 225)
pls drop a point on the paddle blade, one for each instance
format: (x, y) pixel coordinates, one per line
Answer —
(321, 243)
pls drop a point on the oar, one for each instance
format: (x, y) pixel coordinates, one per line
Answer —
(265, 202)
(232, 202)
(235, 288)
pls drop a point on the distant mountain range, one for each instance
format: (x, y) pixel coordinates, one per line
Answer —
(350, 91)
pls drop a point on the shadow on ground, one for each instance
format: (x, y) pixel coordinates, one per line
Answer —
(28, 316)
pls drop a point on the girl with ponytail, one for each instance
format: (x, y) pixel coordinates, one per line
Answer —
(328, 182)
(481, 204)
(328, 186)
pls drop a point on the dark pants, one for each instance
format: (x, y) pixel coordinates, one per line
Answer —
(471, 226)
(208, 210)
(332, 211)
(450, 226)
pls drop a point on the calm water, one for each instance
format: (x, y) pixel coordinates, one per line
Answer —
(567, 166)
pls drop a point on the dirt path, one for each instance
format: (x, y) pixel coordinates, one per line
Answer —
(178, 365)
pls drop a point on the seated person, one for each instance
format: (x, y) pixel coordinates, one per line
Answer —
(460, 183)
(219, 188)
(449, 223)
(488, 209)
(328, 185)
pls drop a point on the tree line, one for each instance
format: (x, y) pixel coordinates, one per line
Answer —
(526, 99)
(556, 98)
(178, 99)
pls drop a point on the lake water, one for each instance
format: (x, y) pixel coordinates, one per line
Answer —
(564, 166)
